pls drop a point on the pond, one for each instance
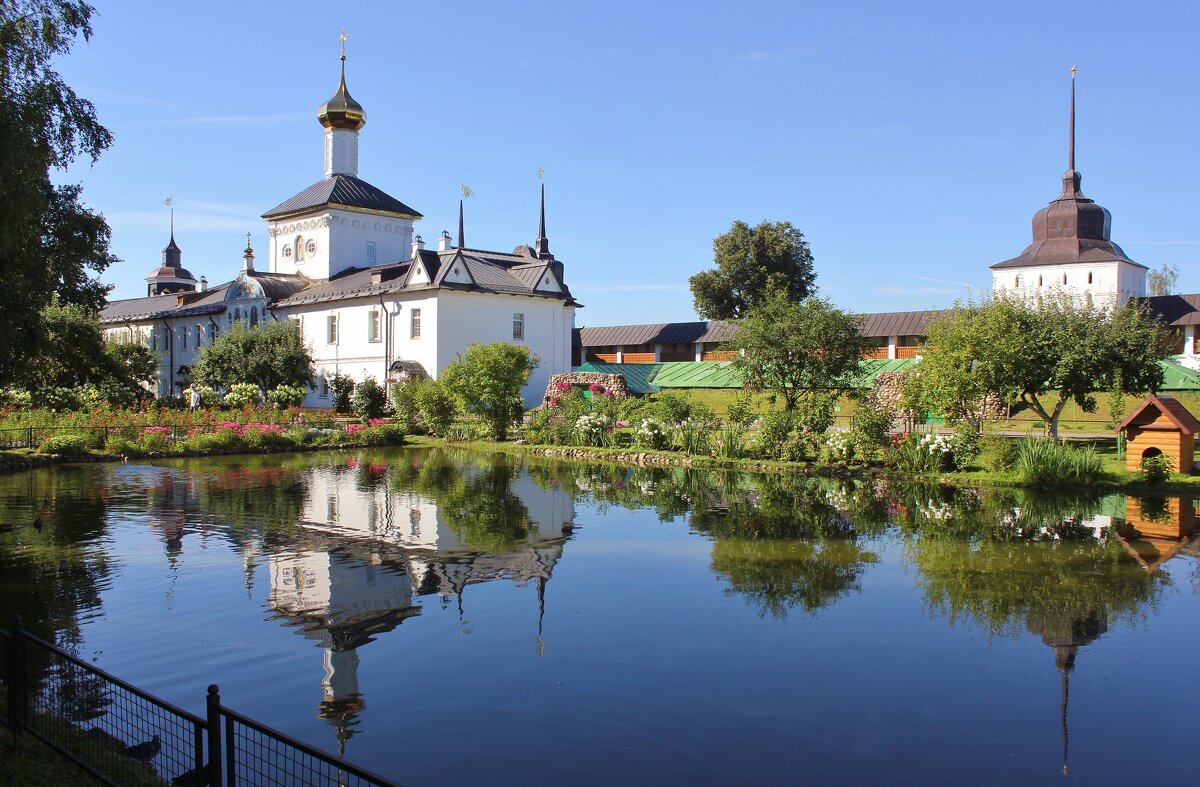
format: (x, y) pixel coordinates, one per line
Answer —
(444, 617)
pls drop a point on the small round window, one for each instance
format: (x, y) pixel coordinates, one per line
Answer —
(456, 271)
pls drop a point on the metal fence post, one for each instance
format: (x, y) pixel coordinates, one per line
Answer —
(18, 691)
(29, 439)
(214, 736)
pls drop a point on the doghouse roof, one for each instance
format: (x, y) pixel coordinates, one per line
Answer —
(1175, 412)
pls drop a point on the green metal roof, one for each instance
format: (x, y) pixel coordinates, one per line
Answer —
(1179, 378)
(697, 374)
(637, 375)
(875, 367)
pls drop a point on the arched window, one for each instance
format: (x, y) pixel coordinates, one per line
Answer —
(1089, 277)
(254, 315)
(1017, 281)
(237, 315)
(299, 248)
(1039, 281)
(371, 253)
(1064, 278)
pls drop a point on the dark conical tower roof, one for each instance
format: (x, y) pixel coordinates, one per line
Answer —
(1072, 228)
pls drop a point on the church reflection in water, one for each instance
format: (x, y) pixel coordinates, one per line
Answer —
(365, 550)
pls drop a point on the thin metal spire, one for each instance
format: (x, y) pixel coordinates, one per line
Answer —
(542, 246)
(461, 240)
(1071, 155)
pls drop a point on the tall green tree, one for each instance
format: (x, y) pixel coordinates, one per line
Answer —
(787, 348)
(267, 355)
(72, 353)
(1163, 280)
(1043, 354)
(752, 263)
(488, 382)
(51, 246)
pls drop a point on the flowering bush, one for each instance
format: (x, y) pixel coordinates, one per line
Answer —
(155, 438)
(692, 436)
(593, 429)
(287, 396)
(242, 394)
(208, 396)
(923, 453)
(839, 446)
(652, 433)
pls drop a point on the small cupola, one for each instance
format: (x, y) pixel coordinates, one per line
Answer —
(341, 110)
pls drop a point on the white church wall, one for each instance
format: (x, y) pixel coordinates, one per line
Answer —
(340, 236)
(1109, 281)
(467, 317)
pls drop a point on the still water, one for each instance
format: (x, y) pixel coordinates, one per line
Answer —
(446, 617)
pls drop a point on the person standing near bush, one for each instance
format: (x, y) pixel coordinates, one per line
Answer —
(194, 400)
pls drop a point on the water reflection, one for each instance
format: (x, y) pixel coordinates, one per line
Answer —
(353, 548)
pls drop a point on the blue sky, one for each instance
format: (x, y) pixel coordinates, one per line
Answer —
(911, 143)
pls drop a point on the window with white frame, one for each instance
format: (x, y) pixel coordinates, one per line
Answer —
(324, 387)
(373, 325)
(331, 329)
(371, 253)
(183, 338)
(198, 341)
(519, 325)
(415, 322)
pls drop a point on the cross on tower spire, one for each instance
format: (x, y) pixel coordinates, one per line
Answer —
(1071, 153)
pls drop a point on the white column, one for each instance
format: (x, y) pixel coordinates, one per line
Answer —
(341, 152)
(657, 353)
(1189, 340)
(893, 341)
(621, 355)
(699, 351)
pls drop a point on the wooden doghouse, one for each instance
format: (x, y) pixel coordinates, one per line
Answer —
(1160, 425)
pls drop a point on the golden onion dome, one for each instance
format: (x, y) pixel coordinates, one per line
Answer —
(342, 111)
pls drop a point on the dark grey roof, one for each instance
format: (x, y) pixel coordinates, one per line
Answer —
(897, 323)
(490, 272)
(657, 333)
(277, 286)
(344, 190)
(1175, 309)
(160, 306)
(873, 325)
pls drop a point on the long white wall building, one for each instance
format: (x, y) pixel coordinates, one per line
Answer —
(369, 299)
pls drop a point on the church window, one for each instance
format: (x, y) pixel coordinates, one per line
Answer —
(331, 329)
(1017, 280)
(370, 253)
(415, 317)
(183, 332)
(197, 337)
(324, 385)
(1064, 278)
(212, 333)
(518, 325)
(300, 249)
(254, 315)
(154, 339)
(1089, 277)
(1039, 281)
(237, 315)
(373, 321)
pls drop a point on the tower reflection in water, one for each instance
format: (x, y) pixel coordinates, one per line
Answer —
(371, 539)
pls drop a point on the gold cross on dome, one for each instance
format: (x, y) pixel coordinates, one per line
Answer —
(542, 174)
(247, 240)
(1073, 70)
(343, 38)
(466, 190)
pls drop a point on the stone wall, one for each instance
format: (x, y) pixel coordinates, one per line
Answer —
(615, 383)
(889, 386)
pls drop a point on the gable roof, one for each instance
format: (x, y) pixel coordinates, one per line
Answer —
(1172, 408)
(345, 191)
(170, 305)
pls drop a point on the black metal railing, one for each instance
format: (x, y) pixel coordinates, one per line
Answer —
(120, 734)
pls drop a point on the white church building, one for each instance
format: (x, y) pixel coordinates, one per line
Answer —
(367, 296)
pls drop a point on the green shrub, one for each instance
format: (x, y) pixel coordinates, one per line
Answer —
(405, 401)
(65, 445)
(266, 436)
(730, 443)
(653, 434)
(341, 387)
(923, 453)
(17, 398)
(774, 428)
(1157, 468)
(1047, 463)
(437, 407)
(870, 429)
(382, 434)
(287, 395)
(243, 394)
(672, 407)
(593, 429)
(370, 400)
(121, 446)
(154, 439)
(998, 454)
(964, 445)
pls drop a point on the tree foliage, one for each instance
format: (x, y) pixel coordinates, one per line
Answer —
(1162, 281)
(752, 264)
(72, 354)
(488, 381)
(51, 246)
(266, 355)
(1041, 353)
(787, 348)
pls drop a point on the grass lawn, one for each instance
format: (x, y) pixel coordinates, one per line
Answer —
(28, 761)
